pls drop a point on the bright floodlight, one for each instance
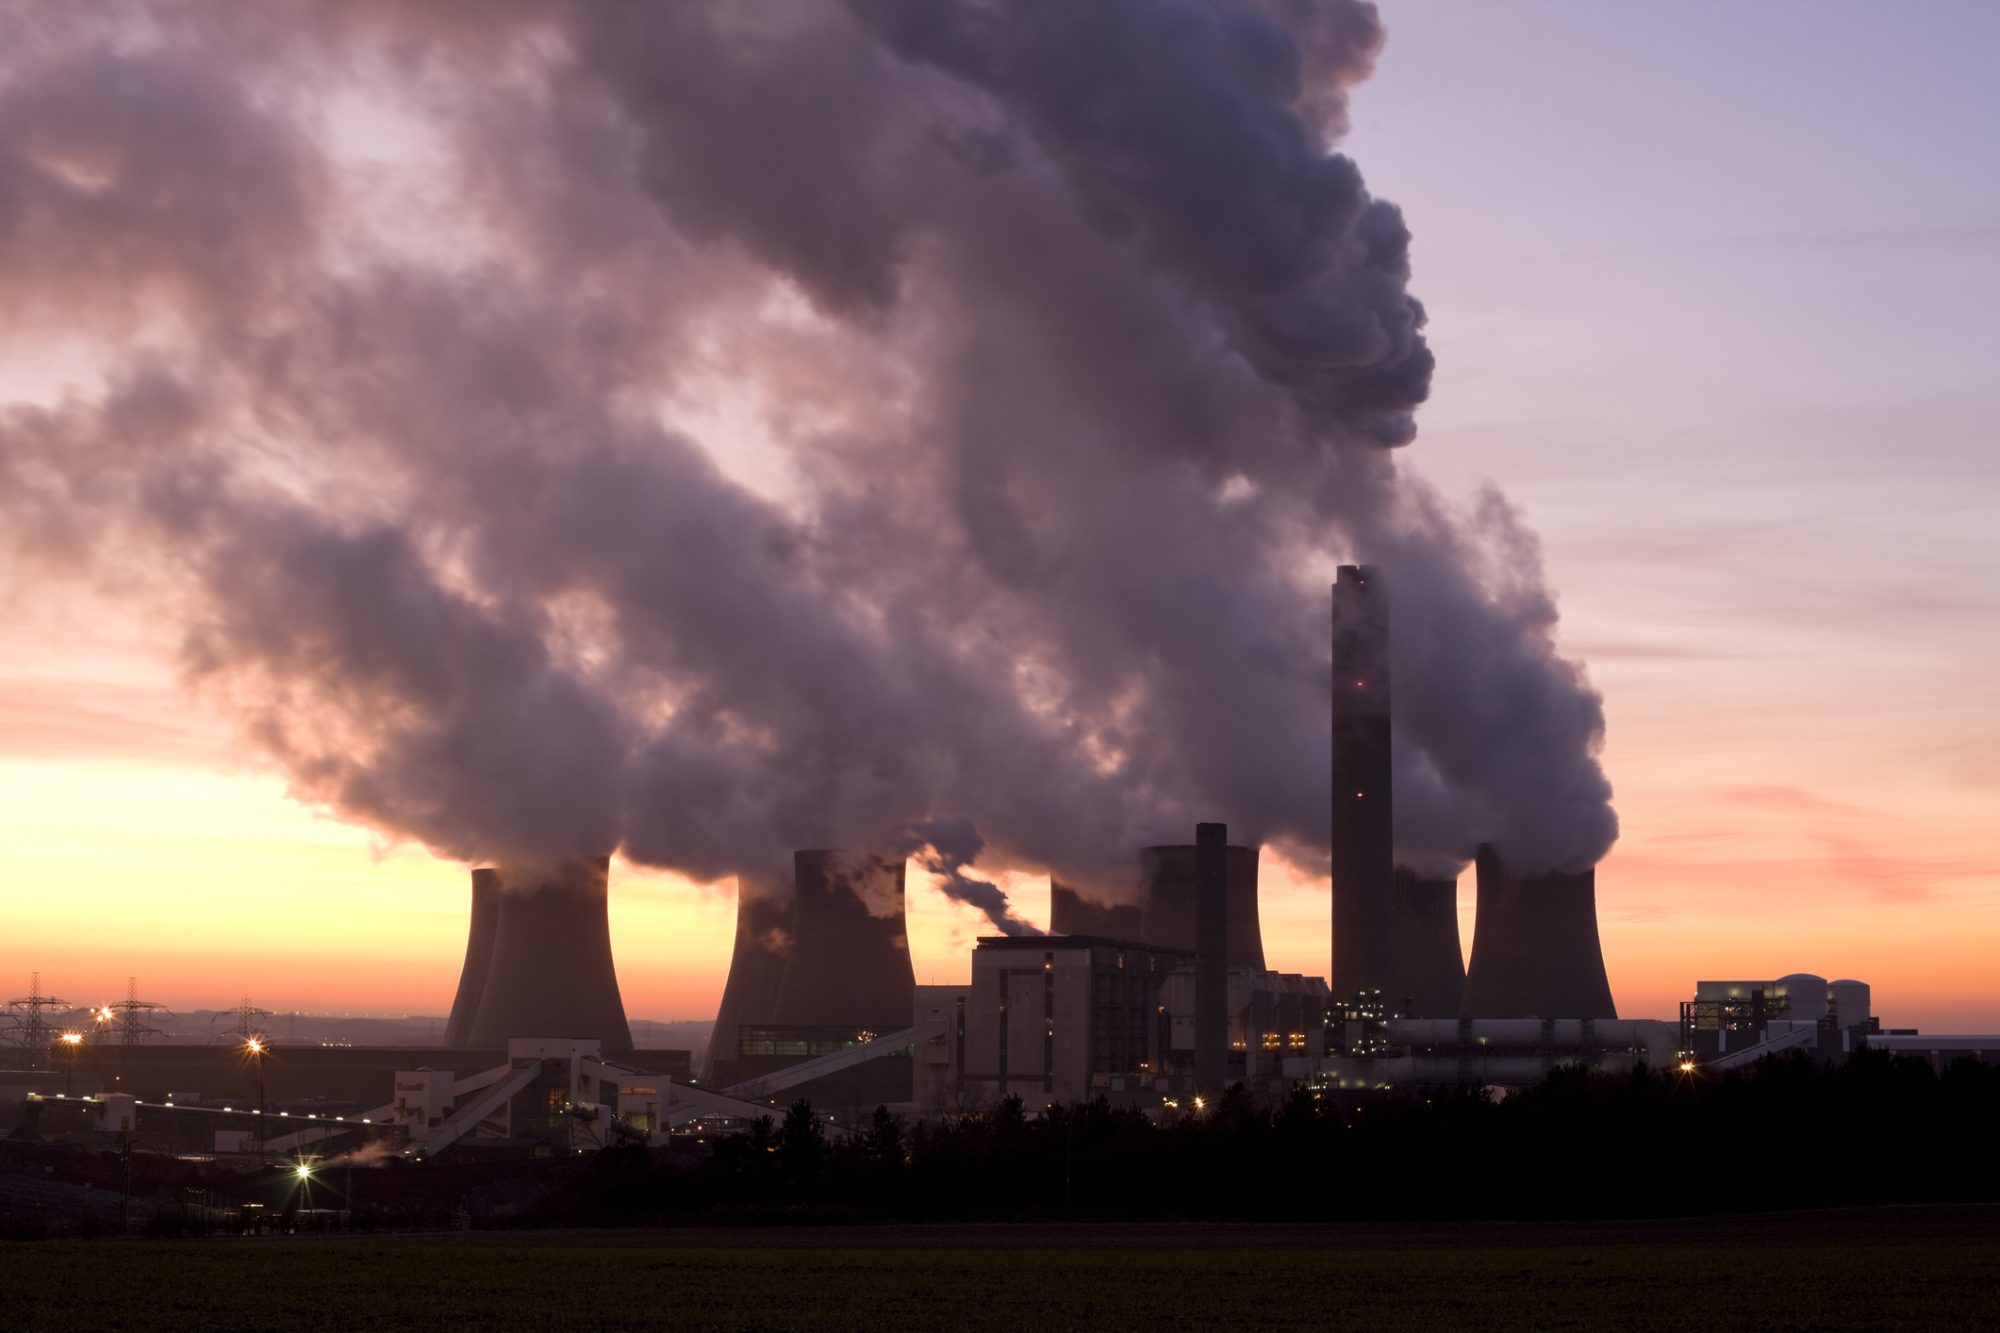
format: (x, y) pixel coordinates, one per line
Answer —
(1687, 1066)
(303, 1171)
(254, 1045)
(72, 1038)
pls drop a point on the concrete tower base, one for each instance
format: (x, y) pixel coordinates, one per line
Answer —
(551, 974)
(1167, 902)
(756, 971)
(478, 958)
(1535, 950)
(1430, 968)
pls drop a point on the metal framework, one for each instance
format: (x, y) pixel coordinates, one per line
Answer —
(33, 1031)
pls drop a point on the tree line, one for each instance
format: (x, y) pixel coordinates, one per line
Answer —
(1788, 1133)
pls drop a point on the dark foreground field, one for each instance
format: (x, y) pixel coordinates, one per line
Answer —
(1908, 1268)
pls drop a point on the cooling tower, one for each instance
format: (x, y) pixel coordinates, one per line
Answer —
(1211, 956)
(1167, 902)
(756, 971)
(850, 960)
(1364, 822)
(551, 974)
(478, 956)
(1430, 969)
(1070, 913)
(1535, 952)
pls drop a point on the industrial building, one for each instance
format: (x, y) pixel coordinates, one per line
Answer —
(551, 1094)
(1051, 1018)
(1441, 1052)
(1063, 1018)
(1730, 1023)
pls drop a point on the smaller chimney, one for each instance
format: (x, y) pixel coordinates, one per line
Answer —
(1211, 956)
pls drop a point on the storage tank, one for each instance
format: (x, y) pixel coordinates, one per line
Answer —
(1853, 1004)
(1806, 996)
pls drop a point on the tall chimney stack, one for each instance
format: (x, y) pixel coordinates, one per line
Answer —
(1364, 824)
(1535, 950)
(1211, 956)
(478, 958)
(551, 973)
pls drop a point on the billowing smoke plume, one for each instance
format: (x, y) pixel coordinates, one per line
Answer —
(713, 430)
(945, 848)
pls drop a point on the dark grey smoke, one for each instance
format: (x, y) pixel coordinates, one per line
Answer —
(1067, 356)
(945, 847)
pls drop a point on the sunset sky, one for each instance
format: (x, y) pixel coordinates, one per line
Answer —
(1713, 291)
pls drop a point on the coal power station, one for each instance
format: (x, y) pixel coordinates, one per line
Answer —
(821, 965)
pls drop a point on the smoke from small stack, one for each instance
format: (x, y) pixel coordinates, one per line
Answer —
(1005, 325)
